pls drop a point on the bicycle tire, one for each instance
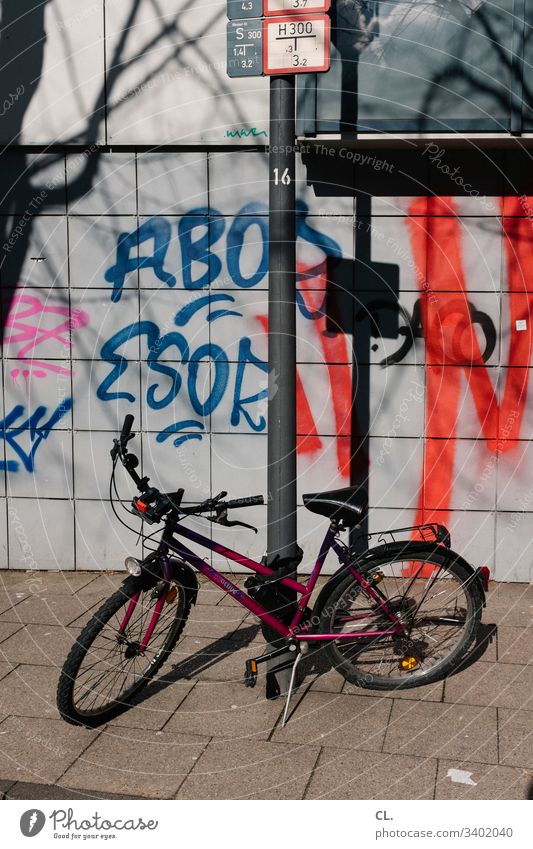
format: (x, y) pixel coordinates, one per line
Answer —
(71, 668)
(354, 670)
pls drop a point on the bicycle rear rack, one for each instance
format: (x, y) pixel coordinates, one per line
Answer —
(430, 532)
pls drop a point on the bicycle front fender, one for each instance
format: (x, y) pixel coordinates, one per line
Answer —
(152, 572)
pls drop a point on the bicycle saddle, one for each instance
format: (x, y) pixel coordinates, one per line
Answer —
(348, 505)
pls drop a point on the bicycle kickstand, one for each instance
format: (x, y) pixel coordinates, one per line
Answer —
(291, 687)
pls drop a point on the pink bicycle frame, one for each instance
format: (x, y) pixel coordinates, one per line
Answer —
(291, 631)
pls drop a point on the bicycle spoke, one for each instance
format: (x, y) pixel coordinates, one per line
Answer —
(106, 676)
(433, 611)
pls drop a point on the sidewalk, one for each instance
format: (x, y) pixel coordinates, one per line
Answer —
(198, 733)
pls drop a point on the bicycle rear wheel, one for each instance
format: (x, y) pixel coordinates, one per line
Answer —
(434, 597)
(108, 665)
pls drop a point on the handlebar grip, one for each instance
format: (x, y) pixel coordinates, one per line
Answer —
(126, 428)
(251, 501)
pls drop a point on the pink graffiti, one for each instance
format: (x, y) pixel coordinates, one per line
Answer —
(28, 325)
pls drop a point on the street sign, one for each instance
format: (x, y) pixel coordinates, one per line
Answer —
(245, 48)
(238, 9)
(296, 45)
(293, 7)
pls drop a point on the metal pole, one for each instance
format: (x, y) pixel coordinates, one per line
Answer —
(282, 532)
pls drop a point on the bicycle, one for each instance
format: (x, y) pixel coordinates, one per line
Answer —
(399, 615)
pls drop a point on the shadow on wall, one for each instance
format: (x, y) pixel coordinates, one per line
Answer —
(25, 188)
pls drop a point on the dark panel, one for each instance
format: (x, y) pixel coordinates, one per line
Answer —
(441, 66)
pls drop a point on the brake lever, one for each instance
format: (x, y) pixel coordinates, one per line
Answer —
(222, 519)
(119, 446)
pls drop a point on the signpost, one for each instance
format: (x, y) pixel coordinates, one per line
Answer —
(294, 7)
(238, 9)
(278, 43)
(245, 47)
(292, 38)
(296, 45)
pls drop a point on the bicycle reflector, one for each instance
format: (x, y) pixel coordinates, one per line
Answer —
(133, 566)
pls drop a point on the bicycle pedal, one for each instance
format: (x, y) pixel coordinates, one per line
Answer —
(250, 675)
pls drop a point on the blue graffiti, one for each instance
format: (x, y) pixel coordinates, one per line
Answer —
(198, 232)
(175, 428)
(33, 426)
(156, 229)
(158, 397)
(246, 356)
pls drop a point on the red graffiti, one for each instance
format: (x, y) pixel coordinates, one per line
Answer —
(312, 286)
(307, 439)
(453, 353)
(335, 350)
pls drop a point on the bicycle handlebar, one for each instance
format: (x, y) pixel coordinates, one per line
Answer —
(251, 501)
(168, 501)
(126, 429)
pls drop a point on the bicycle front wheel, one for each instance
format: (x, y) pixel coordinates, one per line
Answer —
(431, 594)
(110, 663)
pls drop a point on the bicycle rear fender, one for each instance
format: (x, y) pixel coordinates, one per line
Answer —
(152, 571)
(413, 550)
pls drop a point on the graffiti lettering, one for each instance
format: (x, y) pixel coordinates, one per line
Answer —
(32, 323)
(198, 232)
(34, 427)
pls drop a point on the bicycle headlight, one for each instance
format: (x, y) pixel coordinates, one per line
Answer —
(133, 566)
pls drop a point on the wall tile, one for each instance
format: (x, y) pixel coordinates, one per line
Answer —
(171, 183)
(48, 528)
(111, 190)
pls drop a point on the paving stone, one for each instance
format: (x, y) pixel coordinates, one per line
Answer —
(8, 603)
(486, 644)
(226, 710)
(499, 684)
(52, 610)
(509, 604)
(483, 781)
(515, 728)
(250, 769)
(136, 762)
(7, 629)
(32, 791)
(10, 577)
(352, 774)
(324, 682)
(329, 719)
(37, 749)
(210, 594)
(104, 584)
(442, 731)
(214, 660)
(428, 692)
(214, 621)
(6, 668)
(41, 582)
(30, 691)
(515, 645)
(39, 644)
(316, 673)
(155, 704)
(5, 786)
